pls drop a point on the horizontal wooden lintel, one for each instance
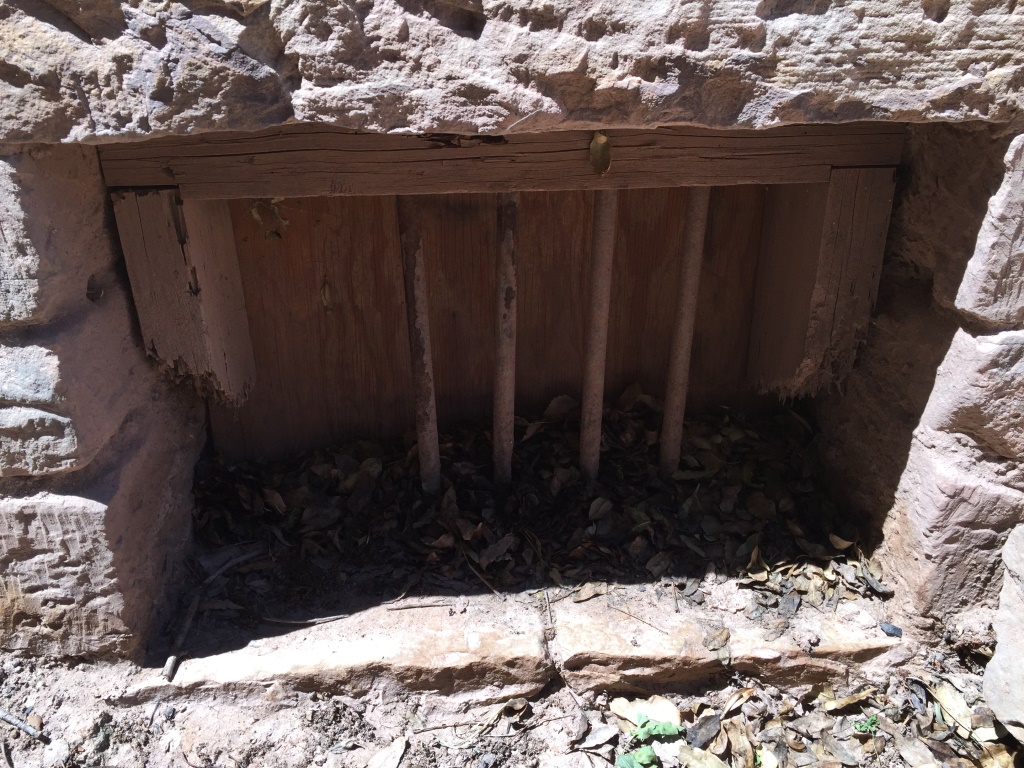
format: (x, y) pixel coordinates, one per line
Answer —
(311, 161)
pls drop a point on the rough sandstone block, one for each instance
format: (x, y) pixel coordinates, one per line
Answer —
(1003, 689)
(84, 564)
(65, 391)
(992, 290)
(979, 392)
(952, 513)
(53, 237)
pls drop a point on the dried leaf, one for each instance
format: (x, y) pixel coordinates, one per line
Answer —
(390, 756)
(953, 705)
(589, 591)
(737, 699)
(655, 708)
(691, 757)
(739, 744)
(839, 543)
(847, 701)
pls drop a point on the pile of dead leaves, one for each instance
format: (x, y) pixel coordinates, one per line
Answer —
(746, 499)
(918, 721)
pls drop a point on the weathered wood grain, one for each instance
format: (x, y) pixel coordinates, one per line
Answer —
(183, 270)
(318, 160)
(818, 279)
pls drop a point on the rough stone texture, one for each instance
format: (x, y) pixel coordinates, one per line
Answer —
(953, 510)
(945, 180)
(55, 250)
(992, 291)
(979, 392)
(96, 448)
(85, 557)
(80, 71)
(1003, 690)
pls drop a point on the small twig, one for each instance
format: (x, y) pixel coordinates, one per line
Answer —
(418, 605)
(231, 564)
(529, 727)
(179, 641)
(479, 575)
(306, 622)
(23, 727)
(442, 727)
(642, 621)
(675, 597)
(7, 754)
(551, 617)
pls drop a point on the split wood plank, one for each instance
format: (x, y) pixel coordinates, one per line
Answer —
(183, 269)
(817, 283)
(324, 286)
(318, 160)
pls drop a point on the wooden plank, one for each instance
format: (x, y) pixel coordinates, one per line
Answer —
(318, 160)
(460, 238)
(815, 294)
(324, 286)
(790, 250)
(694, 230)
(554, 251)
(506, 305)
(183, 270)
(725, 308)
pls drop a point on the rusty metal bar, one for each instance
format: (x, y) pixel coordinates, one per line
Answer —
(410, 227)
(602, 251)
(505, 358)
(677, 384)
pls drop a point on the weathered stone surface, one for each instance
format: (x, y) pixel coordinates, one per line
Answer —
(600, 648)
(491, 651)
(86, 70)
(979, 392)
(992, 290)
(84, 564)
(69, 385)
(55, 250)
(1004, 676)
(953, 510)
(947, 176)
(867, 424)
(35, 442)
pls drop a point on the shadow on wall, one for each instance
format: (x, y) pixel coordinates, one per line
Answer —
(867, 423)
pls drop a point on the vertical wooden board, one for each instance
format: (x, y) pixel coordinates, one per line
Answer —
(791, 236)
(554, 257)
(152, 239)
(725, 306)
(645, 288)
(366, 348)
(183, 269)
(323, 284)
(460, 250)
(852, 247)
(210, 251)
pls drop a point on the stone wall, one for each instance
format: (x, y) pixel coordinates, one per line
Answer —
(106, 69)
(93, 440)
(96, 448)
